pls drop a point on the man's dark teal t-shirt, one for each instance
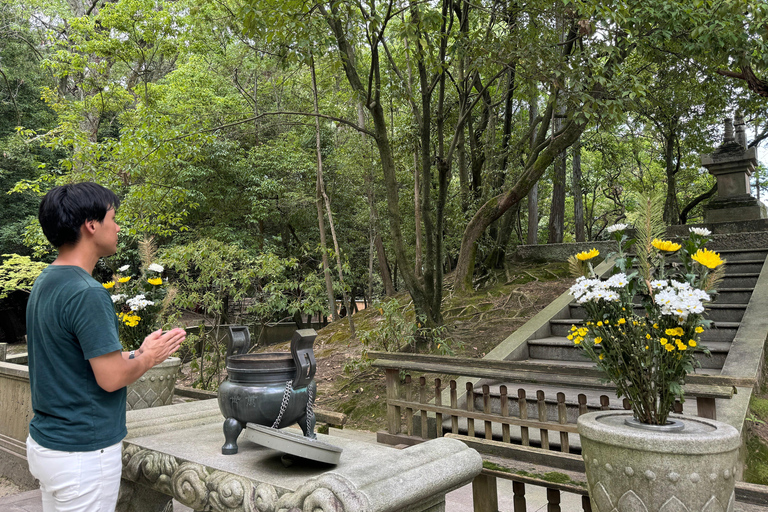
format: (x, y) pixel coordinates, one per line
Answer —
(71, 319)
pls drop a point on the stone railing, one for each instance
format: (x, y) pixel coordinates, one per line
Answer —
(16, 407)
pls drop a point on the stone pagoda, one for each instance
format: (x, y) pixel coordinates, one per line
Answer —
(733, 164)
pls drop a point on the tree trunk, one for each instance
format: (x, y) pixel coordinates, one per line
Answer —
(671, 207)
(578, 198)
(386, 275)
(321, 186)
(557, 212)
(320, 216)
(533, 195)
(496, 206)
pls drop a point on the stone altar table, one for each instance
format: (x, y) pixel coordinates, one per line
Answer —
(187, 464)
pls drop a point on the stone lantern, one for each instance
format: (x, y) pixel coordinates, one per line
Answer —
(733, 164)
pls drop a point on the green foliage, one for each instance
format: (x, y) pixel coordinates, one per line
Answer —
(18, 273)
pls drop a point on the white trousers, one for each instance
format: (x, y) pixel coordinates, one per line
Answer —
(76, 481)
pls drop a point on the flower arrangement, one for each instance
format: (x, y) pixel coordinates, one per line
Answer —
(643, 323)
(139, 298)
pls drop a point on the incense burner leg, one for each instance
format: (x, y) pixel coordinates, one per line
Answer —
(232, 429)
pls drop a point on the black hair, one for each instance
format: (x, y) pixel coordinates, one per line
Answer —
(64, 209)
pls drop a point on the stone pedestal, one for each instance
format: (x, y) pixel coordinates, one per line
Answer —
(186, 463)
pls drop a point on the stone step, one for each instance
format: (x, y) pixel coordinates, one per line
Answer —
(733, 255)
(744, 266)
(715, 312)
(720, 331)
(558, 348)
(733, 295)
(737, 280)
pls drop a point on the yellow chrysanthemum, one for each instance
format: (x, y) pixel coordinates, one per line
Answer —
(655, 326)
(663, 341)
(647, 336)
(601, 356)
(647, 347)
(155, 281)
(587, 255)
(699, 330)
(573, 328)
(709, 259)
(669, 347)
(691, 343)
(577, 341)
(570, 336)
(622, 321)
(665, 245)
(108, 285)
(124, 279)
(599, 324)
(598, 340)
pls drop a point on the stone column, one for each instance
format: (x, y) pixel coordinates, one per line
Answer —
(733, 164)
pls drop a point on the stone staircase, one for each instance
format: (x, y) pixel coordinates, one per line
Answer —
(742, 270)
(740, 325)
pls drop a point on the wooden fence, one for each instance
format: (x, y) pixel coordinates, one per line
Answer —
(529, 438)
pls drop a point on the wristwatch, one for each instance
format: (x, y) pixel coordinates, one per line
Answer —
(131, 354)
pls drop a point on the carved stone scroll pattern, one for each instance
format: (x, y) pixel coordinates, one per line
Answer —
(203, 488)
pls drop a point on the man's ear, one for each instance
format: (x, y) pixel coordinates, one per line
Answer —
(89, 227)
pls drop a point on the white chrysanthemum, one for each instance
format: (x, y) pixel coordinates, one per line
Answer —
(154, 267)
(679, 285)
(123, 268)
(701, 231)
(118, 297)
(611, 296)
(616, 227)
(617, 281)
(139, 302)
(659, 284)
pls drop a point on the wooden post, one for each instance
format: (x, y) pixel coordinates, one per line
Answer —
(504, 412)
(393, 393)
(470, 408)
(562, 418)
(439, 403)
(487, 410)
(485, 497)
(454, 405)
(544, 433)
(705, 407)
(423, 400)
(553, 500)
(522, 405)
(409, 409)
(582, 404)
(518, 491)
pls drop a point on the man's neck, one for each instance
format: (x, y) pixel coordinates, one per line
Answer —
(76, 256)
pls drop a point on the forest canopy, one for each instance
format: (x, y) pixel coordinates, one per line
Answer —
(329, 150)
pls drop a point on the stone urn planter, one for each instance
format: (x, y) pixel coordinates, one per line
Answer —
(649, 468)
(154, 388)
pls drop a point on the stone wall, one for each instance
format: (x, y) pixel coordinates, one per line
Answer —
(16, 407)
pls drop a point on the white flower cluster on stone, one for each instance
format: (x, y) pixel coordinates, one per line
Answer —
(700, 231)
(616, 227)
(586, 290)
(118, 297)
(679, 299)
(139, 302)
(154, 267)
(123, 268)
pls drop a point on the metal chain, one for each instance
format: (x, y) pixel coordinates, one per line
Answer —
(283, 406)
(310, 412)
